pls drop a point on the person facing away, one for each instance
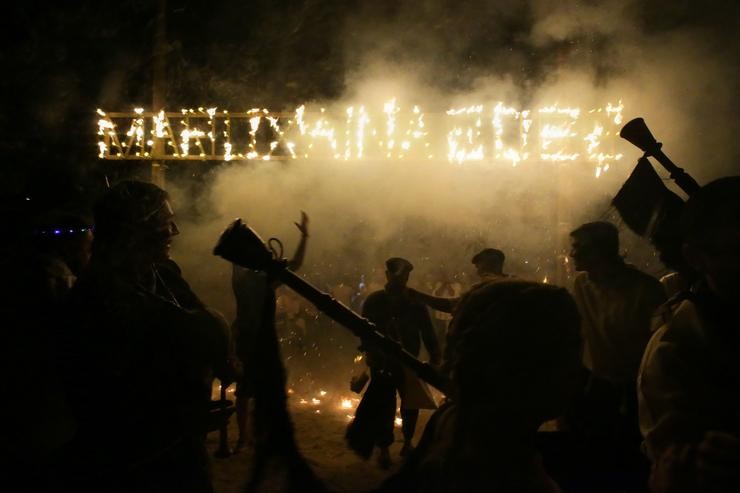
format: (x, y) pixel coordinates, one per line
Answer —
(489, 265)
(399, 317)
(138, 353)
(250, 289)
(516, 365)
(689, 382)
(616, 302)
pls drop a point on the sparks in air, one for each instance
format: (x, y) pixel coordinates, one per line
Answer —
(483, 134)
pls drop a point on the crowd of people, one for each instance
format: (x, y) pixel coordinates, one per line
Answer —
(641, 379)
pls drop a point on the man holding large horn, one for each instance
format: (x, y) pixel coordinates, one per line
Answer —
(689, 383)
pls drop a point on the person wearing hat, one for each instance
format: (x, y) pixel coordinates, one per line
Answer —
(406, 320)
(489, 265)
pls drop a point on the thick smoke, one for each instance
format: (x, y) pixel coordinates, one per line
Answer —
(670, 69)
(436, 213)
(673, 63)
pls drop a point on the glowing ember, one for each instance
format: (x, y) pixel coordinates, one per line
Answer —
(347, 404)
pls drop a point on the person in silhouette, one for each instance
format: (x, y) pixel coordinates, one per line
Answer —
(689, 382)
(517, 365)
(617, 303)
(401, 318)
(250, 289)
(138, 352)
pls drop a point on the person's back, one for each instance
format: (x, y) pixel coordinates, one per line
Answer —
(251, 289)
(400, 318)
(515, 366)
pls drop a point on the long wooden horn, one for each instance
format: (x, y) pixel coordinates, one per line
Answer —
(637, 133)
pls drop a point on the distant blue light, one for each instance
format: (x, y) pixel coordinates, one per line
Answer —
(63, 230)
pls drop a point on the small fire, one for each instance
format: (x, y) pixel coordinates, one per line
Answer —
(398, 422)
(347, 404)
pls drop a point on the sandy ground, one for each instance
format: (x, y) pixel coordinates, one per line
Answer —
(321, 439)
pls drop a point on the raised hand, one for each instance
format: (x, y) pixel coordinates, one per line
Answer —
(303, 225)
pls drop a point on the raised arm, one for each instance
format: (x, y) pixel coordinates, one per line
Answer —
(446, 305)
(295, 263)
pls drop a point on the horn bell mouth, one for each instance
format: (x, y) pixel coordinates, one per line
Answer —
(241, 245)
(637, 133)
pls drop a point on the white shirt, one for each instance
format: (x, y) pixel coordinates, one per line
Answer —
(616, 319)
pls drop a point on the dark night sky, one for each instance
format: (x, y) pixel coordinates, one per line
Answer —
(63, 60)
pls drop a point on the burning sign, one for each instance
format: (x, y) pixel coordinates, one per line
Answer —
(482, 133)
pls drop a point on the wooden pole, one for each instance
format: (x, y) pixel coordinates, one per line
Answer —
(159, 88)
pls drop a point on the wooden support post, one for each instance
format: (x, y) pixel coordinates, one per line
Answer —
(159, 89)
